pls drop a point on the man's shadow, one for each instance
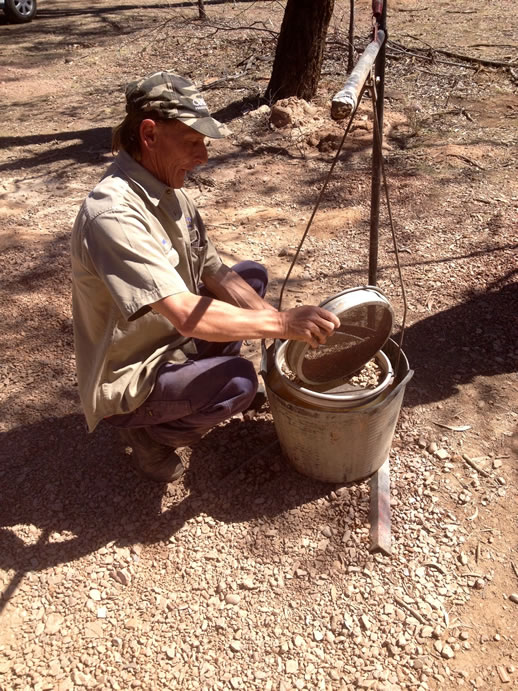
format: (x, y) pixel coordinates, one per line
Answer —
(65, 493)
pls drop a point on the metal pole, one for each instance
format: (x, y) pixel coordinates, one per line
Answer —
(380, 16)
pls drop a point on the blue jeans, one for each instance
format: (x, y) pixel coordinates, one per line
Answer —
(191, 397)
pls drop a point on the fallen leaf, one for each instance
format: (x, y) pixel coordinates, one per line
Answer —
(454, 428)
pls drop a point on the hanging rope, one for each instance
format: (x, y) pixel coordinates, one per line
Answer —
(317, 204)
(377, 144)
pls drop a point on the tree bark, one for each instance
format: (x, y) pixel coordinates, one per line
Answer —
(300, 49)
(201, 10)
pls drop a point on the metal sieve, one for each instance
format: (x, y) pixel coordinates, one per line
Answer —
(332, 397)
(366, 319)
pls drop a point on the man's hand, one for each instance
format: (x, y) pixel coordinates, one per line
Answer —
(313, 325)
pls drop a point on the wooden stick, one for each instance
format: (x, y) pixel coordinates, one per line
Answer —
(412, 611)
(346, 100)
(473, 465)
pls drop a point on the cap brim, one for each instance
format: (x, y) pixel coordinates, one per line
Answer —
(207, 126)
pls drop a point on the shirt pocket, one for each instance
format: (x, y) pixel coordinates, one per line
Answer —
(173, 257)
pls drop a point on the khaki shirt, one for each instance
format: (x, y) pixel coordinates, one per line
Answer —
(134, 241)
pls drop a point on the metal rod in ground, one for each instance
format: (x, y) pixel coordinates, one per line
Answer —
(380, 531)
(350, 57)
(379, 76)
(345, 101)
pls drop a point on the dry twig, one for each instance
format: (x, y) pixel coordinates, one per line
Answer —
(412, 611)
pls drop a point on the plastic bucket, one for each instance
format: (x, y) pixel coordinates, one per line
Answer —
(336, 445)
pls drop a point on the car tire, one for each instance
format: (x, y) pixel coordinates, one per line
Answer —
(20, 11)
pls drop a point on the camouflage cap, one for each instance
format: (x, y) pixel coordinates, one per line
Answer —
(174, 98)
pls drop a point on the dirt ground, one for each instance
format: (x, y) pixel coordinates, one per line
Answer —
(248, 575)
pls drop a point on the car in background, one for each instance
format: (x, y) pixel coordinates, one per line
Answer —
(19, 11)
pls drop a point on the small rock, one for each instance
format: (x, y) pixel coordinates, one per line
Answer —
(232, 599)
(514, 598)
(280, 117)
(447, 652)
(364, 622)
(432, 447)
(102, 613)
(53, 623)
(442, 454)
(93, 629)
(318, 635)
(170, 653)
(235, 682)
(122, 576)
(235, 646)
(426, 632)
(504, 677)
(298, 641)
(95, 595)
(292, 666)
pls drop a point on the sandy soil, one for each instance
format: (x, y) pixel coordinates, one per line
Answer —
(247, 574)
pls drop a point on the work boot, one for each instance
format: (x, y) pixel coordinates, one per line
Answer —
(154, 460)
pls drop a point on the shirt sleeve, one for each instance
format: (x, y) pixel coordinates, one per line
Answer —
(136, 270)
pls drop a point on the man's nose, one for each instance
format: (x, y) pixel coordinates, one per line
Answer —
(202, 153)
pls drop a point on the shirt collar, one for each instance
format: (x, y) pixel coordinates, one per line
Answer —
(152, 188)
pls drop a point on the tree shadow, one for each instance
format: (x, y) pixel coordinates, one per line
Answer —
(475, 338)
(87, 146)
(66, 493)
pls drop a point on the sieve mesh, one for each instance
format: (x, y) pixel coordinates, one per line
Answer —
(364, 329)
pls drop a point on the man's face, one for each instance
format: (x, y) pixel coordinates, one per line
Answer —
(175, 149)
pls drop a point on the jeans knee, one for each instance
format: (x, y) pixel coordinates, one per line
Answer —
(254, 274)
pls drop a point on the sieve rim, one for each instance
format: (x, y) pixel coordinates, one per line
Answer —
(345, 399)
(339, 304)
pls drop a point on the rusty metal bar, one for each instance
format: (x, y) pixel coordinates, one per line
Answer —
(380, 530)
(350, 58)
(345, 101)
(379, 74)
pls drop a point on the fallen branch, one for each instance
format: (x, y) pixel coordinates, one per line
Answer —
(412, 611)
(434, 565)
(449, 53)
(467, 160)
(428, 58)
(473, 465)
(217, 82)
(410, 9)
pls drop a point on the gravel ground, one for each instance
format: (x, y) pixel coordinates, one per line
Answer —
(248, 575)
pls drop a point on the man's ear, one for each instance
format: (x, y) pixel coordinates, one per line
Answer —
(148, 134)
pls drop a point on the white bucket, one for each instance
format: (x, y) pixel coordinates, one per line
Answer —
(336, 445)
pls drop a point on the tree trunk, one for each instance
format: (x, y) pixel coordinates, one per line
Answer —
(201, 10)
(300, 49)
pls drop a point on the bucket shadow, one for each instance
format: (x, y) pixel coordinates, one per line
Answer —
(475, 338)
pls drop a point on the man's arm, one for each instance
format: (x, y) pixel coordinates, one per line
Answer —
(217, 321)
(228, 286)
